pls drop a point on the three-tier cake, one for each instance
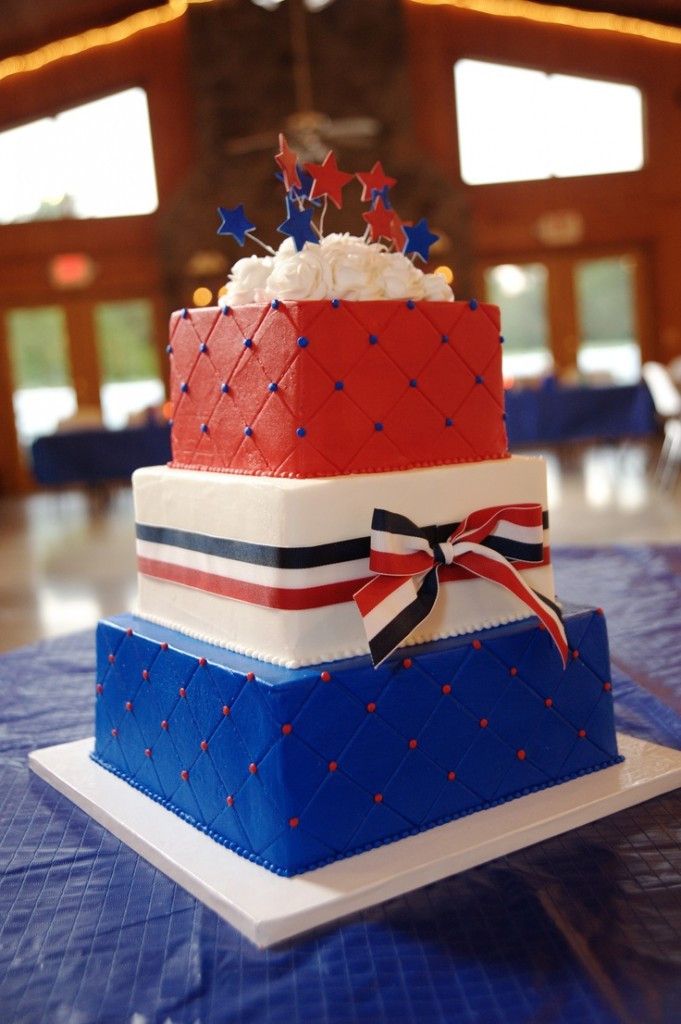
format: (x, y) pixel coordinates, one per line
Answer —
(346, 630)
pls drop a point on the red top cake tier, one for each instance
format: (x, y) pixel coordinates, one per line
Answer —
(324, 388)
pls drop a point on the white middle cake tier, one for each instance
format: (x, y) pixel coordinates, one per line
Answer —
(268, 566)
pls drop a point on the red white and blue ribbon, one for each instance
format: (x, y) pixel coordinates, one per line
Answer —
(407, 561)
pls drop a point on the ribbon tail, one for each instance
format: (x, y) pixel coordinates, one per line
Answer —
(488, 565)
(392, 607)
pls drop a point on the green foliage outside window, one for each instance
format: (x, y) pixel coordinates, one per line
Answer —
(38, 347)
(125, 341)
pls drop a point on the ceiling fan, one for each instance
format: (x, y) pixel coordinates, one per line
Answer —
(309, 131)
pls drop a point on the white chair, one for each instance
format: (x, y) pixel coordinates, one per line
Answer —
(667, 401)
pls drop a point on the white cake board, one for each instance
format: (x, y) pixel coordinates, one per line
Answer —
(267, 908)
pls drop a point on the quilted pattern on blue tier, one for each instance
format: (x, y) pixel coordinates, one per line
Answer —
(297, 768)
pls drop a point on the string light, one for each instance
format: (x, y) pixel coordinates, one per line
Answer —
(95, 37)
(567, 17)
(445, 272)
(202, 296)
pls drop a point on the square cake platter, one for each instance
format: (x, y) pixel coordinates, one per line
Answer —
(268, 909)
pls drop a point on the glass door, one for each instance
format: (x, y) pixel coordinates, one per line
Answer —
(42, 384)
(575, 312)
(131, 388)
(609, 346)
(521, 292)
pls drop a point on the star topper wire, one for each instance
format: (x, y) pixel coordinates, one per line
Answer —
(310, 184)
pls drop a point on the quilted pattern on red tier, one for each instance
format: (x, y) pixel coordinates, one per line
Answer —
(323, 388)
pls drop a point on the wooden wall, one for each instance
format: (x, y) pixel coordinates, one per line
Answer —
(194, 71)
(639, 212)
(125, 250)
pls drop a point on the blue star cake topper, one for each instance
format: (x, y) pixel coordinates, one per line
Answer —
(298, 224)
(419, 239)
(235, 223)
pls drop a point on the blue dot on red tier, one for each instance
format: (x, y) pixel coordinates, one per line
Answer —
(302, 342)
(301, 431)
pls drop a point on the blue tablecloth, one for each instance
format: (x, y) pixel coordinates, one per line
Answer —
(556, 413)
(98, 456)
(583, 928)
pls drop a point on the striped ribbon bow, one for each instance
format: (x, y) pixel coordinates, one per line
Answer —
(407, 560)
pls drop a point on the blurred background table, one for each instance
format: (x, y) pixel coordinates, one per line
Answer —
(98, 456)
(556, 413)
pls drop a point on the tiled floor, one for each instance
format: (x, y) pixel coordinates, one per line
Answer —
(66, 560)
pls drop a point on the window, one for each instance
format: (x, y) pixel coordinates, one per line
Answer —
(41, 371)
(95, 160)
(518, 124)
(606, 311)
(129, 366)
(520, 291)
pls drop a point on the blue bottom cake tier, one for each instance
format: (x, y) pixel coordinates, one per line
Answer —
(296, 768)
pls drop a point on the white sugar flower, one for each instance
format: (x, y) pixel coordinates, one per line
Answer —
(247, 281)
(299, 275)
(436, 289)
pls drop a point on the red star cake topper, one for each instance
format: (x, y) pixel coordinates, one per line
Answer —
(397, 233)
(380, 220)
(328, 180)
(374, 180)
(287, 160)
